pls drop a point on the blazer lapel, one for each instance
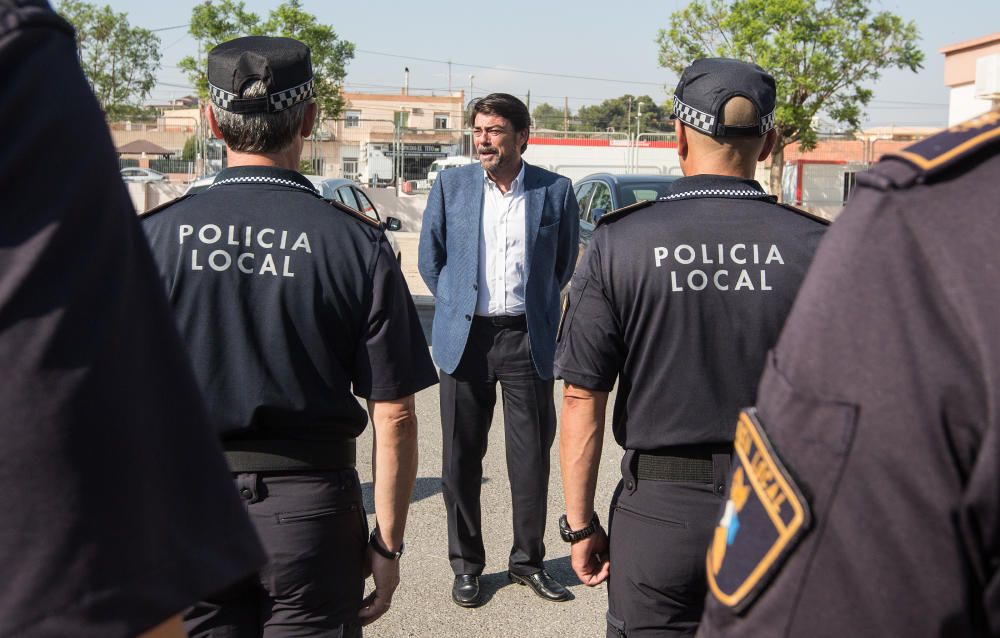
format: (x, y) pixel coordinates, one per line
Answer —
(534, 204)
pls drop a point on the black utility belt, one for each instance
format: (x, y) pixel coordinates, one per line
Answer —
(503, 321)
(280, 455)
(682, 464)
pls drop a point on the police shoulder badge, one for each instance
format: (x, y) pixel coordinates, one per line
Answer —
(765, 517)
(939, 152)
(344, 208)
(618, 213)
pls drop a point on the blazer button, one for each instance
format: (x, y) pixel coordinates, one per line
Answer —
(475, 286)
(468, 318)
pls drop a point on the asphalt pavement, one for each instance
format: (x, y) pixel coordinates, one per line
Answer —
(422, 605)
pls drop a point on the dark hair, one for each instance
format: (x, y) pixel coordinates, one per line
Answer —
(506, 106)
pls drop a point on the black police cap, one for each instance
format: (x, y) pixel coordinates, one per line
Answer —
(708, 83)
(283, 64)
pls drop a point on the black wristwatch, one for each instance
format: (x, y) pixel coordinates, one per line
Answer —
(570, 536)
(376, 544)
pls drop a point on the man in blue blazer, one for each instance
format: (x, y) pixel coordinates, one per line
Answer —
(498, 243)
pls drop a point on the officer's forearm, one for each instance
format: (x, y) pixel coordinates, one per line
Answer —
(580, 442)
(394, 465)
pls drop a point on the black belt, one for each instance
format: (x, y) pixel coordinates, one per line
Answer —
(504, 321)
(686, 463)
(262, 455)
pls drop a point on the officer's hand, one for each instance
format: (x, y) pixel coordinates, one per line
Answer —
(589, 558)
(385, 573)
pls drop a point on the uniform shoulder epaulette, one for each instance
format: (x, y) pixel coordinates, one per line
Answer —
(805, 213)
(344, 208)
(618, 213)
(949, 148)
(163, 206)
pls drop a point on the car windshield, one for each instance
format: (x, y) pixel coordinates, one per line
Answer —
(642, 191)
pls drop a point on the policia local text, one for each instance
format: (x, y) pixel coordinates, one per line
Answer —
(260, 261)
(717, 255)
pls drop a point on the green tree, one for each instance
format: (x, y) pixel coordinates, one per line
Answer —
(190, 150)
(822, 53)
(547, 116)
(119, 60)
(622, 115)
(215, 22)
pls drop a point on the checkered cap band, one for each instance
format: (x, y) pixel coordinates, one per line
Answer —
(220, 97)
(276, 101)
(286, 99)
(767, 123)
(693, 117)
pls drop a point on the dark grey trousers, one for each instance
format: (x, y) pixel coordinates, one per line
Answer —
(314, 529)
(659, 533)
(468, 397)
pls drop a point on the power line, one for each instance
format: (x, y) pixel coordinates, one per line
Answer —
(509, 70)
(179, 26)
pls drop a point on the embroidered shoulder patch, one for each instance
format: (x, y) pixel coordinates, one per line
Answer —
(355, 214)
(618, 213)
(940, 151)
(163, 206)
(764, 518)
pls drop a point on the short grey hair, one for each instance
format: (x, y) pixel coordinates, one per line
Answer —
(260, 132)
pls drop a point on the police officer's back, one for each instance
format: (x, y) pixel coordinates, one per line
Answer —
(290, 305)
(876, 438)
(678, 300)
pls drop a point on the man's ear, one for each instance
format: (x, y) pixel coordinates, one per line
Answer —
(682, 142)
(772, 139)
(212, 122)
(310, 119)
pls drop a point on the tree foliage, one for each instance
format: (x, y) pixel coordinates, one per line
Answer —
(622, 114)
(119, 60)
(547, 116)
(215, 22)
(822, 53)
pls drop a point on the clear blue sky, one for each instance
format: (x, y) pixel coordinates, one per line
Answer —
(601, 40)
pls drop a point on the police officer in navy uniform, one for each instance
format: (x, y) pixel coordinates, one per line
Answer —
(118, 512)
(866, 490)
(679, 300)
(287, 302)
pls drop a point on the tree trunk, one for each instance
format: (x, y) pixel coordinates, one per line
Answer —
(777, 169)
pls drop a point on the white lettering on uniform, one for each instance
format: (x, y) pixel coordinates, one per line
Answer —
(203, 236)
(732, 254)
(302, 242)
(233, 240)
(697, 274)
(287, 271)
(743, 281)
(268, 265)
(704, 255)
(774, 255)
(687, 250)
(183, 231)
(226, 260)
(673, 282)
(260, 238)
(194, 260)
(239, 263)
(659, 254)
(715, 279)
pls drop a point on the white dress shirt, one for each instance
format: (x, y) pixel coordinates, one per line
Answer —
(501, 249)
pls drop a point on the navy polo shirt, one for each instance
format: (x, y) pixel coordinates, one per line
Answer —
(679, 302)
(287, 305)
(118, 507)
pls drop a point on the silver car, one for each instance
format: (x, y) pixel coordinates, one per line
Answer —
(139, 174)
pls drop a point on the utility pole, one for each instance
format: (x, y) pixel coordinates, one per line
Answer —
(449, 78)
(638, 120)
(565, 116)
(528, 103)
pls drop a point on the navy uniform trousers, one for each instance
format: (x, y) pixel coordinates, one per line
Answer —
(659, 532)
(497, 350)
(315, 531)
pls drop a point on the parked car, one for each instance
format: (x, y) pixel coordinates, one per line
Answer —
(602, 192)
(349, 192)
(444, 164)
(138, 174)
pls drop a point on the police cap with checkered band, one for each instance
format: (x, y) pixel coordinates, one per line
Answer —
(708, 83)
(283, 64)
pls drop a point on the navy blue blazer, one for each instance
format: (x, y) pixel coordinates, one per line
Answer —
(449, 257)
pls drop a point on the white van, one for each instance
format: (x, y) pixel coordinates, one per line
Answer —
(444, 164)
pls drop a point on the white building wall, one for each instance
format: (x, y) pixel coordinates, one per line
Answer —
(964, 105)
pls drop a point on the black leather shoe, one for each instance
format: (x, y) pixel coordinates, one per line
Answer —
(465, 591)
(542, 584)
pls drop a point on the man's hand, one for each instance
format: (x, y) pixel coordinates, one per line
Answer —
(385, 573)
(590, 560)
